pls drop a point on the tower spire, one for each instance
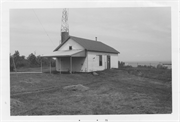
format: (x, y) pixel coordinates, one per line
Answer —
(64, 25)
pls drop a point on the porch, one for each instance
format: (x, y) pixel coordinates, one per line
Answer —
(68, 60)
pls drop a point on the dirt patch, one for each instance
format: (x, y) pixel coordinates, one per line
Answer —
(78, 87)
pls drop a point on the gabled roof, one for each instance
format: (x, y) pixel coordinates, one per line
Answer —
(91, 45)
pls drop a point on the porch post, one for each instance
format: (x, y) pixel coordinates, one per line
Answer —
(70, 64)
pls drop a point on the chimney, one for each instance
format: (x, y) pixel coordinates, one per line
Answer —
(64, 36)
(95, 38)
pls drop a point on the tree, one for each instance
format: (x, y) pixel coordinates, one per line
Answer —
(121, 64)
(16, 58)
(19, 61)
(38, 60)
(32, 60)
(11, 63)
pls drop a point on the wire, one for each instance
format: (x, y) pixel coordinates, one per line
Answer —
(43, 28)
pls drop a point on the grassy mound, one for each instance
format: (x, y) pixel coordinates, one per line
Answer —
(78, 87)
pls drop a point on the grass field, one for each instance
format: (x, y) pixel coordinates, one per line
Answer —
(153, 73)
(111, 92)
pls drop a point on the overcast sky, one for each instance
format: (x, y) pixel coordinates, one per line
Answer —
(139, 34)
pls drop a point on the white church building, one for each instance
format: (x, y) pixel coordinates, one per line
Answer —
(76, 54)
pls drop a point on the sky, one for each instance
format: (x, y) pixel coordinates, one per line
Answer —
(138, 33)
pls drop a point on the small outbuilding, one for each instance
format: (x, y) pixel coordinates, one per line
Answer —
(76, 54)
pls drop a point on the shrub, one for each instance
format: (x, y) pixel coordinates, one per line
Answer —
(160, 66)
(121, 64)
(145, 66)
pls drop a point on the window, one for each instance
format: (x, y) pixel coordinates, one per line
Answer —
(70, 47)
(100, 60)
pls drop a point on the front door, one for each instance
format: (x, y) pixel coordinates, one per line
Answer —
(108, 62)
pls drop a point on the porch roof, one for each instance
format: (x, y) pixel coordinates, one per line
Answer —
(66, 53)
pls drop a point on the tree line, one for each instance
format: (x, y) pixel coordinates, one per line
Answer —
(122, 65)
(18, 61)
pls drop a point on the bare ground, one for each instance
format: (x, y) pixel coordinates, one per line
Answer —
(111, 92)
